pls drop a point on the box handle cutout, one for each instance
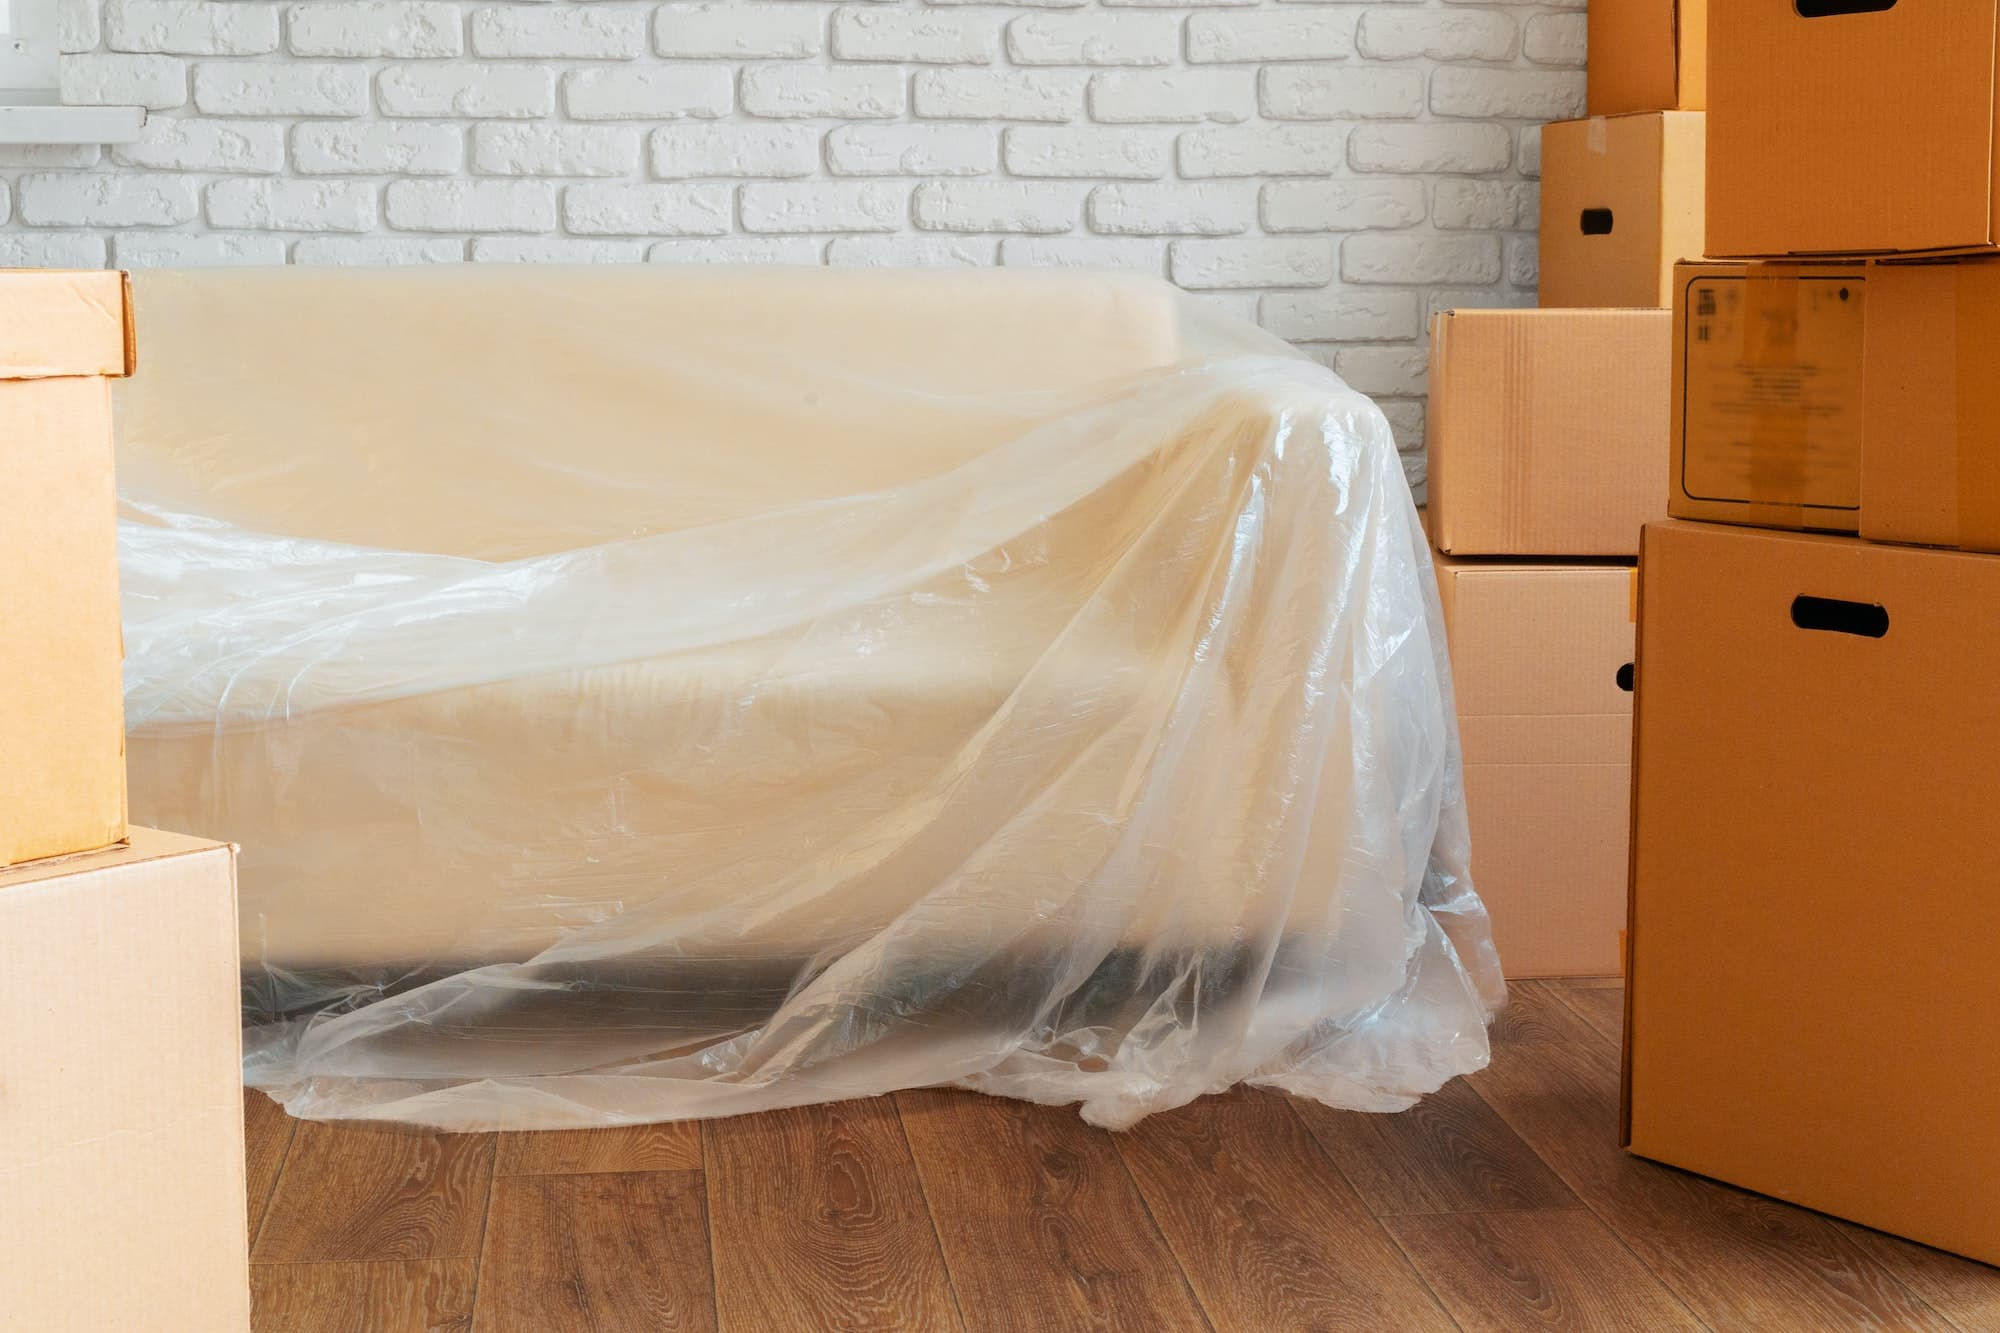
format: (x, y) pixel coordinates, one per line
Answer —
(1822, 9)
(1834, 615)
(1596, 222)
(1625, 678)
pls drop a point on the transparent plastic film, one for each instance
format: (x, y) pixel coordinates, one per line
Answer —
(643, 694)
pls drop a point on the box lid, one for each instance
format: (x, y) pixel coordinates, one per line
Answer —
(55, 322)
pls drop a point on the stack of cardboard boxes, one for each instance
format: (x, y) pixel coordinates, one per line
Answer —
(1817, 767)
(121, 1112)
(1543, 435)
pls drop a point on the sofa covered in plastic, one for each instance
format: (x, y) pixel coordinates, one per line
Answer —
(647, 693)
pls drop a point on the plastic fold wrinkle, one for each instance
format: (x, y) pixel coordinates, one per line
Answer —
(655, 693)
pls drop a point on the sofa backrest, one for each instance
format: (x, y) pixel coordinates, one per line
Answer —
(531, 397)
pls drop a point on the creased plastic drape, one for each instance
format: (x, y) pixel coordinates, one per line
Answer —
(648, 694)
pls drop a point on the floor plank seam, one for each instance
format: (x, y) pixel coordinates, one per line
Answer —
(1180, 1267)
(930, 1216)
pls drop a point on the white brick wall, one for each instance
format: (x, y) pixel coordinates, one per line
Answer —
(1333, 168)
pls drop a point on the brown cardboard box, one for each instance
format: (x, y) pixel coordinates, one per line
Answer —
(1930, 440)
(1541, 665)
(1647, 55)
(1621, 201)
(1544, 430)
(1812, 930)
(62, 728)
(1844, 132)
(1766, 405)
(121, 1099)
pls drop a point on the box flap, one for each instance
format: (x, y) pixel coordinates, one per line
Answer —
(56, 323)
(1634, 61)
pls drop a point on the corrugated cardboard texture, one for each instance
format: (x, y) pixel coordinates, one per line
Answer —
(1812, 929)
(1767, 400)
(62, 731)
(1640, 176)
(1647, 55)
(1546, 727)
(1544, 430)
(1930, 445)
(1851, 133)
(121, 1105)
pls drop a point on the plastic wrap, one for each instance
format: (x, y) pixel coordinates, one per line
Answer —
(650, 694)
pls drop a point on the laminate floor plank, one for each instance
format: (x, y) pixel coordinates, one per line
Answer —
(818, 1221)
(1558, 1269)
(391, 1296)
(1737, 1260)
(1041, 1225)
(1450, 1153)
(267, 1136)
(1962, 1290)
(1603, 1007)
(363, 1192)
(573, 1152)
(1269, 1233)
(596, 1253)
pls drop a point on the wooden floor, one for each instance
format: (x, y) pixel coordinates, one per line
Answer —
(1502, 1203)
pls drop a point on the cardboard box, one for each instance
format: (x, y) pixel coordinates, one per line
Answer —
(1544, 430)
(1850, 128)
(1647, 55)
(1812, 930)
(1621, 201)
(1930, 439)
(1767, 400)
(62, 723)
(121, 1093)
(1542, 669)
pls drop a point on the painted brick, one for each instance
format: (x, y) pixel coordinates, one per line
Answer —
(998, 206)
(1139, 254)
(911, 252)
(739, 31)
(1340, 92)
(912, 150)
(470, 206)
(705, 149)
(1262, 150)
(191, 27)
(1024, 95)
(1430, 148)
(280, 205)
(1403, 259)
(513, 149)
(660, 92)
(404, 29)
(187, 250)
(1128, 97)
(1433, 34)
(376, 251)
(129, 199)
(1304, 33)
(1087, 151)
(574, 32)
(158, 83)
(1173, 209)
(1485, 205)
(1341, 316)
(1342, 205)
(554, 250)
(738, 250)
(398, 148)
(837, 92)
(1244, 262)
(297, 89)
(646, 210)
(906, 36)
(176, 143)
(1517, 94)
(830, 206)
(503, 92)
(1087, 38)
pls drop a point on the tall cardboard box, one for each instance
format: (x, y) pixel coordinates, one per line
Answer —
(121, 1099)
(1544, 430)
(1767, 400)
(1542, 669)
(1647, 55)
(1621, 202)
(63, 337)
(1849, 128)
(1930, 439)
(1812, 924)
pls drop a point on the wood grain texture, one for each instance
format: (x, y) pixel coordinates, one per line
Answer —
(267, 1135)
(1450, 1153)
(1041, 1225)
(598, 1252)
(1737, 1260)
(1269, 1234)
(1503, 1272)
(819, 1222)
(1964, 1291)
(1603, 1007)
(356, 1192)
(575, 1152)
(395, 1296)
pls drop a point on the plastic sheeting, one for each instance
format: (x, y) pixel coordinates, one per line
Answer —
(648, 694)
